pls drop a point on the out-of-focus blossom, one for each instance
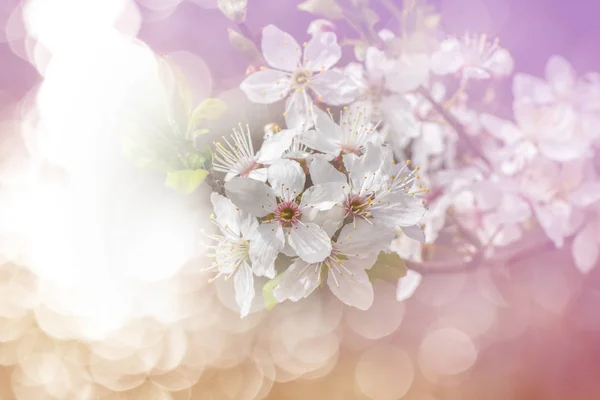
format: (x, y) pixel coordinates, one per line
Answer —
(473, 57)
(233, 9)
(558, 114)
(384, 81)
(299, 73)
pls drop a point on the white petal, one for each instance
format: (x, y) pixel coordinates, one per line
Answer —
(297, 282)
(243, 282)
(409, 74)
(266, 243)
(280, 49)
(501, 63)
(287, 179)
(561, 75)
(226, 213)
(501, 128)
(267, 86)
(251, 196)
(448, 59)
(259, 174)
(273, 147)
(585, 249)
(475, 73)
(415, 232)
(311, 243)
(298, 111)
(322, 141)
(362, 238)
(322, 171)
(397, 209)
(514, 209)
(322, 52)
(324, 196)
(587, 194)
(334, 87)
(564, 150)
(407, 285)
(330, 220)
(527, 88)
(377, 64)
(554, 218)
(355, 290)
(356, 72)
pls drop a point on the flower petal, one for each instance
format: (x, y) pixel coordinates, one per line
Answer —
(321, 171)
(530, 89)
(334, 87)
(448, 59)
(322, 52)
(324, 196)
(554, 220)
(500, 128)
(364, 237)
(243, 282)
(322, 141)
(266, 86)
(586, 194)
(266, 243)
(415, 232)
(298, 111)
(251, 196)
(501, 63)
(273, 147)
(287, 179)
(560, 75)
(409, 74)
(585, 249)
(396, 209)
(407, 285)
(259, 174)
(355, 290)
(311, 243)
(226, 213)
(297, 282)
(280, 49)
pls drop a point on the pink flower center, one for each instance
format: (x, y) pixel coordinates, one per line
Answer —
(249, 167)
(358, 206)
(287, 213)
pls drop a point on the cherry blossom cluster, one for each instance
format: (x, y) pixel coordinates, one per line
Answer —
(327, 201)
(328, 193)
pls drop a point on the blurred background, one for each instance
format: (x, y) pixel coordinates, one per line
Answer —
(525, 330)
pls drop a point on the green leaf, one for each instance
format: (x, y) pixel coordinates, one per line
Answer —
(388, 267)
(186, 180)
(324, 8)
(268, 289)
(210, 109)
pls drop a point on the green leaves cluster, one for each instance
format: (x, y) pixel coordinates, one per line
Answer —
(166, 142)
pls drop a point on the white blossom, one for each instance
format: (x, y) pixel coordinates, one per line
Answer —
(298, 74)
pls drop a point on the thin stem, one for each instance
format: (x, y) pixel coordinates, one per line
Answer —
(455, 124)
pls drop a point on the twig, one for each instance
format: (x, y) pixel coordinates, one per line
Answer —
(455, 124)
